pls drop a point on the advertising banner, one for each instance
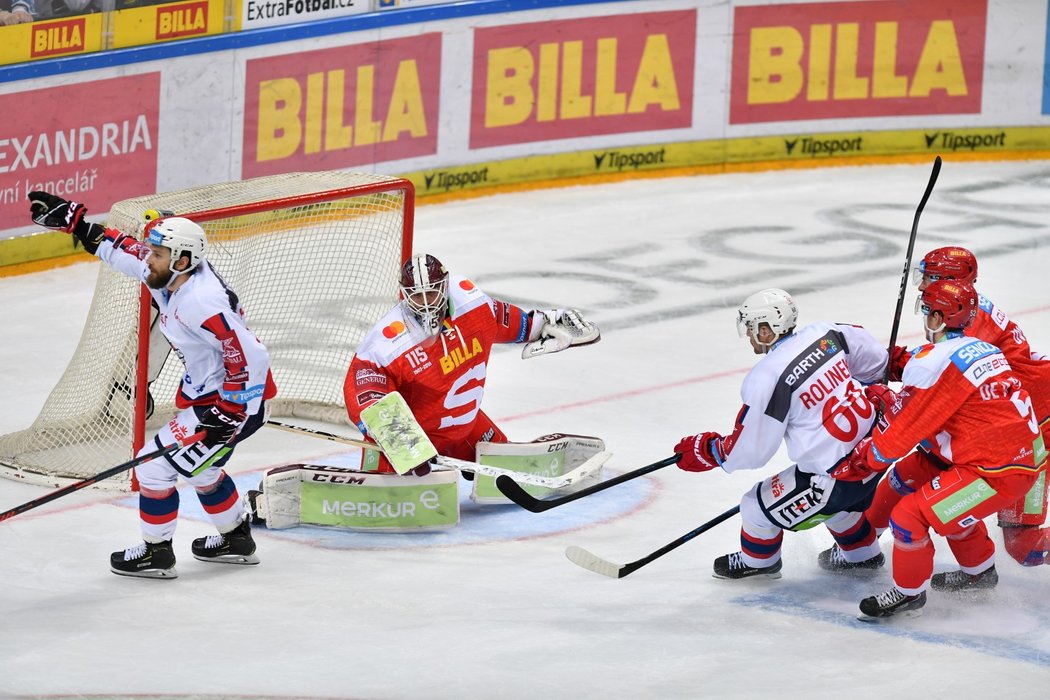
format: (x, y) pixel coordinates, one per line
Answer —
(582, 77)
(273, 13)
(341, 107)
(835, 60)
(99, 151)
(176, 20)
(50, 39)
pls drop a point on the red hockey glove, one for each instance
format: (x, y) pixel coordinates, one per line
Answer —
(881, 396)
(898, 358)
(860, 464)
(700, 453)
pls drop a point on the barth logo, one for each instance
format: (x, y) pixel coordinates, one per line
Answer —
(615, 160)
(58, 38)
(187, 19)
(824, 148)
(448, 180)
(949, 140)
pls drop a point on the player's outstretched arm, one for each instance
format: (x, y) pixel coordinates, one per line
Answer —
(555, 330)
(53, 212)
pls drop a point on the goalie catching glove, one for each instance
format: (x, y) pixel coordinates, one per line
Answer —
(558, 329)
(59, 214)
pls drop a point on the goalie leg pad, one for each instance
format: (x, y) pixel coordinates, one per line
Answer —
(550, 455)
(339, 497)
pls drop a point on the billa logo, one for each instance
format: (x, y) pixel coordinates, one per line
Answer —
(57, 38)
(188, 19)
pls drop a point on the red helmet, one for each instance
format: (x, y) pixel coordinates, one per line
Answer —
(948, 263)
(955, 299)
(424, 290)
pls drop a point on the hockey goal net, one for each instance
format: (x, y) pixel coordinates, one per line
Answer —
(314, 258)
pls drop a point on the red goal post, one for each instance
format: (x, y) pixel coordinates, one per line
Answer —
(314, 259)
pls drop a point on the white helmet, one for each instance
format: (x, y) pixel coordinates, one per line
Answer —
(424, 290)
(774, 307)
(181, 236)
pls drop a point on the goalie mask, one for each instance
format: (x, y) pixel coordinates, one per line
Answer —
(948, 263)
(182, 237)
(773, 307)
(424, 291)
(954, 299)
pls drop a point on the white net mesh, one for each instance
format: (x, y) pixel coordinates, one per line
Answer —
(314, 257)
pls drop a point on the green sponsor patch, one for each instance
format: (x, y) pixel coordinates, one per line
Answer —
(962, 501)
(1033, 500)
(401, 507)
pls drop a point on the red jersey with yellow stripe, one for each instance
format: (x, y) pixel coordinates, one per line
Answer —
(441, 377)
(964, 403)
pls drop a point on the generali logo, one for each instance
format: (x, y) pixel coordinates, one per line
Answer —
(184, 19)
(57, 38)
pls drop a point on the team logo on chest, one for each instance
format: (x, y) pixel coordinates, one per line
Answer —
(459, 354)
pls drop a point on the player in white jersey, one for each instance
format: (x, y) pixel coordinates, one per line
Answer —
(806, 392)
(223, 391)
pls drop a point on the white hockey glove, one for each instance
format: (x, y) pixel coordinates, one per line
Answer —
(558, 329)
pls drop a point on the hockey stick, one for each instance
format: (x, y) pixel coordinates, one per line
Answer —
(581, 557)
(526, 500)
(112, 471)
(907, 263)
(588, 468)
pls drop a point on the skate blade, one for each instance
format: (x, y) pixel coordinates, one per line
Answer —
(148, 573)
(887, 618)
(244, 559)
(752, 577)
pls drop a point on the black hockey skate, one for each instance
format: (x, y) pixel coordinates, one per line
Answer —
(146, 560)
(962, 582)
(891, 603)
(233, 547)
(732, 566)
(833, 560)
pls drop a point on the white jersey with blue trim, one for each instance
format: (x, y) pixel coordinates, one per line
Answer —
(807, 393)
(204, 323)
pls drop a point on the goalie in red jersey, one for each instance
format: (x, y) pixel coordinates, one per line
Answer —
(1024, 539)
(433, 347)
(982, 451)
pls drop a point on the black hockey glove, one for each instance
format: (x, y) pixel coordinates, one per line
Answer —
(220, 424)
(54, 212)
(59, 214)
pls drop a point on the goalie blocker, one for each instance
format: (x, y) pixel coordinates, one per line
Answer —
(346, 498)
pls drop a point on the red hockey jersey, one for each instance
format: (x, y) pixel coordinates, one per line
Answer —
(965, 405)
(442, 377)
(996, 327)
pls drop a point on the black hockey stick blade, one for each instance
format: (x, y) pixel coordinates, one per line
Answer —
(592, 562)
(514, 491)
(907, 260)
(112, 471)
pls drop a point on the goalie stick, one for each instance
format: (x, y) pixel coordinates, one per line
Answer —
(509, 488)
(112, 471)
(581, 557)
(907, 264)
(578, 474)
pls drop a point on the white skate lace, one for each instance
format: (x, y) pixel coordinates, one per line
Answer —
(889, 598)
(136, 552)
(736, 561)
(214, 541)
(837, 557)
